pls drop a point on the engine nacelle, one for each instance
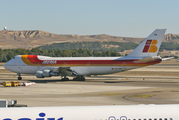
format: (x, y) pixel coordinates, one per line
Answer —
(54, 74)
(45, 73)
(39, 74)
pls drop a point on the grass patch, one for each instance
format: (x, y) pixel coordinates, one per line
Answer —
(112, 94)
(143, 95)
(174, 91)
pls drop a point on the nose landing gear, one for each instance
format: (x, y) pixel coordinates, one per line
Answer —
(19, 76)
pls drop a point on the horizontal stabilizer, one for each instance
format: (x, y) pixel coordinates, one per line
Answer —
(169, 58)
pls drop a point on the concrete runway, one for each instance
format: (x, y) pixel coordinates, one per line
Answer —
(158, 84)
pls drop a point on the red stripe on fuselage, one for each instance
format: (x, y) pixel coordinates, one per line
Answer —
(34, 59)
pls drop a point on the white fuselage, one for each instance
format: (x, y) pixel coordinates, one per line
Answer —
(86, 66)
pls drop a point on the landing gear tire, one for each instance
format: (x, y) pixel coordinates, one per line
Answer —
(82, 78)
(65, 79)
(79, 78)
(19, 78)
(74, 79)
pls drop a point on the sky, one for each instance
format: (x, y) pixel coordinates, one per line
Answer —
(126, 18)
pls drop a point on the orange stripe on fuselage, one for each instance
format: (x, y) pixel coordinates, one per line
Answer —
(26, 60)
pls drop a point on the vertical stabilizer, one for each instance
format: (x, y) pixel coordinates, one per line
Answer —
(150, 46)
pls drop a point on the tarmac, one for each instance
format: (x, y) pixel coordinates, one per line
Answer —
(156, 84)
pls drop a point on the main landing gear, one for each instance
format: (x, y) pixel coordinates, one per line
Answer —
(19, 76)
(79, 78)
(65, 79)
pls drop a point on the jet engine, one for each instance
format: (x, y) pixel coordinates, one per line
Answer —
(45, 73)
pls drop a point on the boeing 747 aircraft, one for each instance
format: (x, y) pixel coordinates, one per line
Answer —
(122, 112)
(145, 54)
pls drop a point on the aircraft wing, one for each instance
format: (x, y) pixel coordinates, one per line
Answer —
(73, 71)
(66, 71)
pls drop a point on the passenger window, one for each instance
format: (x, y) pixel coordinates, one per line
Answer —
(160, 119)
(171, 119)
(150, 119)
(165, 119)
(145, 119)
(155, 119)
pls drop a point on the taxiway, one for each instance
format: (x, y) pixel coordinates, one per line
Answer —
(156, 84)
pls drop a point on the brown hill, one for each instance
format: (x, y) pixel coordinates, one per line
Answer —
(30, 39)
(26, 39)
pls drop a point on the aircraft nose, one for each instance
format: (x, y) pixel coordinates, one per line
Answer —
(6, 66)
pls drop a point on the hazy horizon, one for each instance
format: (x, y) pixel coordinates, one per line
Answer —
(117, 18)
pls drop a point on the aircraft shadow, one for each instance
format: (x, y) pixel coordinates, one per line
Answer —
(45, 81)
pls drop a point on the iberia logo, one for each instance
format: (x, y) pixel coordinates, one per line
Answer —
(150, 46)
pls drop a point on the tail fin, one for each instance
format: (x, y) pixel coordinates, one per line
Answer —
(150, 46)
